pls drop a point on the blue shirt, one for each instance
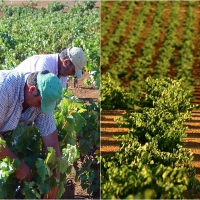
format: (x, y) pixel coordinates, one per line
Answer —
(12, 84)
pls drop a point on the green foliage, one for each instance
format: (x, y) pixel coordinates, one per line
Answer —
(134, 171)
(55, 6)
(82, 122)
(68, 118)
(164, 106)
(90, 134)
(113, 96)
(152, 161)
(131, 57)
(72, 118)
(21, 35)
(2, 143)
(8, 181)
(89, 173)
(89, 141)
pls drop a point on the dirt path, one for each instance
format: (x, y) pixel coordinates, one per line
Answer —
(85, 93)
(193, 139)
(109, 129)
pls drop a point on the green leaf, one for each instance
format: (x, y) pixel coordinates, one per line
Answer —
(61, 191)
(2, 143)
(51, 157)
(29, 191)
(79, 122)
(16, 163)
(42, 169)
(91, 177)
(64, 165)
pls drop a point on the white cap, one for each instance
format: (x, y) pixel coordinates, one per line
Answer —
(77, 57)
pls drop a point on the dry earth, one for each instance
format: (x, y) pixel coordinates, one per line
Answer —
(85, 93)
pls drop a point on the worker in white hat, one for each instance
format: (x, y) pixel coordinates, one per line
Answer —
(69, 62)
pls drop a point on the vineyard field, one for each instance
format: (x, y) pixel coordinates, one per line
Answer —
(157, 38)
(16, 37)
(109, 145)
(110, 129)
(141, 40)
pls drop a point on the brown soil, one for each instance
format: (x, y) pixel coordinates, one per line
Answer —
(144, 34)
(124, 36)
(109, 128)
(138, 47)
(41, 4)
(112, 27)
(84, 93)
(161, 38)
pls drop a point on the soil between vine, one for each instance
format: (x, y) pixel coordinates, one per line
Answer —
(84, 93)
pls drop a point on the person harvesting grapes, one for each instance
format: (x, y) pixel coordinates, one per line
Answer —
(29, 98)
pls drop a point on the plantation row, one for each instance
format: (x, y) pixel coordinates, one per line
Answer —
(144, 46)
(145, 38)
(152, 162)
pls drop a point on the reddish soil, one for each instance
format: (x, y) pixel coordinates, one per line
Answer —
(109, 129)
(124, 36)
(41, 4)
(161, 37)
(84, 93)
(112, 27)
(143, 36)
(140, 44)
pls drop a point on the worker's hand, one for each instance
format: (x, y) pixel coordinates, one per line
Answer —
(24, 172)
(52, 194)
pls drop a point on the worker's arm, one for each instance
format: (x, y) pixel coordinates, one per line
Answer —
(52, 141)
(23, 173)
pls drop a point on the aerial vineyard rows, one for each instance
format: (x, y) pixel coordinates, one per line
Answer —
(150, 69)
(160, 39)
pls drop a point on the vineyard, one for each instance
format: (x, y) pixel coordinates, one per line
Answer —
(27, 29)
(150, 38)
(150, 99)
